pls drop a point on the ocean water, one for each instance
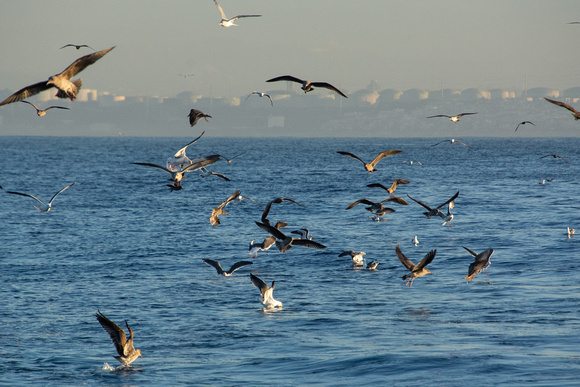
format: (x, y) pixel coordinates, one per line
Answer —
(120, 242)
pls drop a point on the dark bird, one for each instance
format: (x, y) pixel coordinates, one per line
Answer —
(304, 233)
(234, 267)
(556, 157)
(207, 173)
(372, 265)
(370, 167)
(42, 207)
(127, 353)
(194, 116)
(575, 113)
(77, 46)
(417, 270)
(42, 113)
(66, 87)
(523, 123)
(261, 94)
(392, 188)
(186, 75)
(357, 258)
(481, 263)
(267, 293)
(452, 118)
(219, 210)
(452, 141)
(266, 244)
(225, 22)
(275, 201)
(435, 211)
(307, 85)
(372, 206)
(285, 242)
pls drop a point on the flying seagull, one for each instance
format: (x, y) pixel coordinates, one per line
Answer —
(177, 176)
(452, 118)
(377, 208)
(370, 167)
(228, 273)
(392, 188)
(266, 244)
(186, 75)
(127, 353)
(42, 113)
(452, 141)
(217, 211)
(307, 85)
(261, 94)
(267, 293)
(481, 263)
(194, 116)
(66, 87)
(575, 113)
(435, 211)
(449, 217)
(556, 157)
(42, 206)
(225, 22)
(357, 258)
(206, 173)
(285, 242)
(77, 46)
(417, 270)
(180, 159)
(523, 123)
(275, 201)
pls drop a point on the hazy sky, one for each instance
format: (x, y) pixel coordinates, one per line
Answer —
(402, 44)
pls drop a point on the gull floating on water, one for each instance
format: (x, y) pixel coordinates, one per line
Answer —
(370, 167)
(267, 293)
(392, 188)
(452, 118)
(523, 123)
(575, 113)
(481, 263)
(556, 157)
(195, 115)
(570, 232)
(225, 22)
(284, 243)
(435, 211)
(77, 46)
(372, 265)
(415, 240)
(307, 85)
(417, 270)
(217, 211)
(452, 141)
(127, 353)
(66, 88)
(180, 159)
(42, 207)
(228, 273)
(357, 258)
(42, 113)
(261, 94)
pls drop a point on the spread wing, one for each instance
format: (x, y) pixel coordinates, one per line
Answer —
(421, 203)
(484, 256)
(154, 166)
(23, 194)
(272, 230)
(397, 200)
(470, 251)
(363, 201)
(289, 78)
(238, 265)
(259, 284)
(215, 264)
(203, 163)
(26, 92)
(65, 188)
(54, 107)
(382, 155)
(464, 114)
(439, 115)
(83, 62)
(115, 332)
(562, 104)
(448, 201)
(308, 243)
(181, 152)
(353, 156)
(404, 260)
(440, 142)
(329, 87)
(242, 16)
(427, 259)
(221, 10)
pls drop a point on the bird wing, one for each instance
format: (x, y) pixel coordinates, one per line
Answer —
(26, 92)
(399, 181)
(420, 203)
(215, 264)
(397, 200)
(55, 107)
(65, 188)
(382, 155)
(347, 252)
(562, 104)
(83, 62)
(440, 142)
(377, 185)
(270, 98)
(404, 260)
(23, 194)
(272, 230)
(242, 16)
(221, 176)
(308, 243)
(33, 105)
(484, 256)
(289, 78)
(353, 156)
(181, 152)
(245, 197)
(268, 242)
(328, 86)
(464, 114)
(448, 201)
(116, 333)
(427, 259)
(470, 251)
(259, 284)
(203, 163)
(238, 265)
(363, 201)
(231, 198)
(462, 143)
(154, 166)
(439, 115)
(221, 10)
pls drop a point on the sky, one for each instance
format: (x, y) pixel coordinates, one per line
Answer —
(402, 44)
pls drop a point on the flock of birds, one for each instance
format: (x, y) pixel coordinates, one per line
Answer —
(178, 165)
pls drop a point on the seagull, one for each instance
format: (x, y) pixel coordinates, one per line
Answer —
(42, 113)
(570, 232)
(415, 240)
(267, 293)
(452, 118)
(523, 123)
(217, 211)
(77, 46)
(392, 188)
(575, 113)
(556, 157)
(228, 273)
(372, 206)
(186, 75)
(303, 232)
(269, 205)
(177, 176)
(372, 265)
(307, 85)
(449, 217)
(206, 173)
(357, 258)
(285, 242)
(42, 207)
(180, 159)
(482, 262)
(266, 244)
(261, 94)
(434, 211)
(411, 163)
(452, 141)
(194, 116)
(417, 270)
(66, 87)
(370, 167)
(225, 22)
(127, 353)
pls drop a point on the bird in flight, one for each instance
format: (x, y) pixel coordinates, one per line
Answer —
(194, 116)
(556, 157)
(186, 75)
(285, 242)
(127, 353)
(66, 87)
(225, 22)
(417, 270)
(43, 207)
(228, 273)
(575, 113)
(307, 85)
(452, 141)
(261, 94)
(77, 46)
(435, 211)
(452, 118)
(390, 189)
(42, 113)
(523, 123)
(370, 167)
(481, 262)
(217, 211)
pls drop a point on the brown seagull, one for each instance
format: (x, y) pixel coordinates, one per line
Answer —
(482, 262)
(370, 167)
(575, 113)
(127, 353)
(217, 211)
(417, 270)
(392, 188)
(307, 85)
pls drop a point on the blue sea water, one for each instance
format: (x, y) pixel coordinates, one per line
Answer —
(120, 242)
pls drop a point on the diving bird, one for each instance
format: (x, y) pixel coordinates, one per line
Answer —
(267, 293)
(225, 22)
(452, 118)
(261, 94)
(523, 123)
(370, 167)
(217, 211)
(307, 85)
(127, 353)
(575, 113)
(452, 141)
(180, 159)
(42, 207)
(42, 113)
(177, 176)
(556, 157)
(228, 273)
(417, 270)
(66, 87)
(357, 258)
(392, 188)
(195, 115)
(284, 243)
(434, 211)
(481, 263)
(77, 46)
(275, 201)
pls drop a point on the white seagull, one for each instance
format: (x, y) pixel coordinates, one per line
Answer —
(570, 232)
(452, 118)
(452, 141)
(267, 293)
(261, 94)
(415, 240)
(42, 113)
(225, 22)
(180, 159)
(42, 206)
(228, 273)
